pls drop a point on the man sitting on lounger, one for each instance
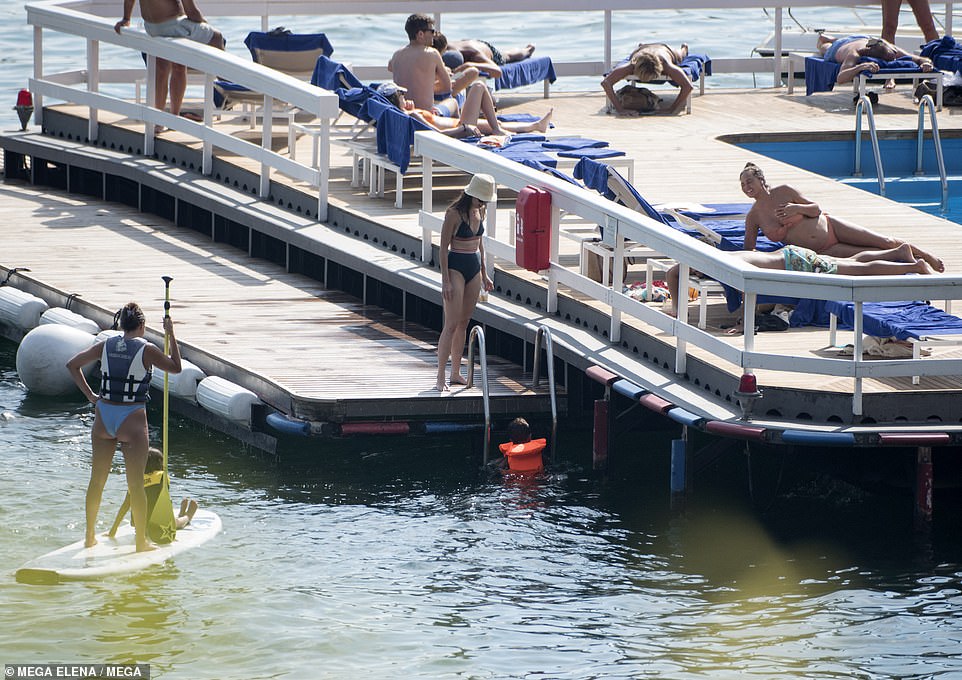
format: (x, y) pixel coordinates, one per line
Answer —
(418, 68)
(848, 52)
(649, 62)
(797, 259)
(785, 216)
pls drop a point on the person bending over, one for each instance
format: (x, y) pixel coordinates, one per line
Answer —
(651, 61)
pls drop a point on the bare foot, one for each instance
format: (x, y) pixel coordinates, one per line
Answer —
(528, 51)
(922, 267)
(146, 546)
(441, 386)
(90, 541)
(545, 122)
(191, 510)
(933, 261)
(456, 379)
(183, 507)
(889, 84)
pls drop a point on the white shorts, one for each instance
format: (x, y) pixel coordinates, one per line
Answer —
(181, 27)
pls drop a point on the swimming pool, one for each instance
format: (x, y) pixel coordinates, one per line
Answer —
(835, 159)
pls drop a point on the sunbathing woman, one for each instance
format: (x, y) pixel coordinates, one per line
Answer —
(784, 215)
(477, 101)
(649, 62)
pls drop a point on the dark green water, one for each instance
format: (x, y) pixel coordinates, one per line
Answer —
(395, 558)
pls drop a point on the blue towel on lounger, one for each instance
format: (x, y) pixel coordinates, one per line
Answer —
(901, 320)
(591, 152)
(694, 65)
(820, 75)
(331, 75)
(569, 143)
(945, 53)
(525, 72)
(524, 150)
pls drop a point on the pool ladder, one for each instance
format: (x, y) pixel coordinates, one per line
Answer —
(925, 102)
(542, 336)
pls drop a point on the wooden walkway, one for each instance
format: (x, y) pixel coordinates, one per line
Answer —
(338, 358)
(289, 330)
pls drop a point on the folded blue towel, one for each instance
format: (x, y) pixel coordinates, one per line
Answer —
(569, 143)
(945, 53)
(902, 320)
(518, 117)
(525, 72)
(591, 153)
(696, 64)
(525, 150)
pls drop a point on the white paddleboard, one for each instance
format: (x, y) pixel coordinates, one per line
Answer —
(116, 555)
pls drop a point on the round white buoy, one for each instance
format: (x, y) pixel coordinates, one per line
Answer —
(67, 318)
(43, 354)
(20, 308)
(183, 384)
(226, 399)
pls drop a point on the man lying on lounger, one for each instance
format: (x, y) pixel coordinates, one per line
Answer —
(649, 62)
(848, 52)
(785, 216)
(797, 259)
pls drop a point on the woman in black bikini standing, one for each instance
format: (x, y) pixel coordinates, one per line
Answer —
(462, 271)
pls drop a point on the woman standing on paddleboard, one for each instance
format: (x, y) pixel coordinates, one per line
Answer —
(121, 411)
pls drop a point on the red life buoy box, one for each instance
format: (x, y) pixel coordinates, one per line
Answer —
(532, 242)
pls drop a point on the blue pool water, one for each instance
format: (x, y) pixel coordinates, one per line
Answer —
(836, 159)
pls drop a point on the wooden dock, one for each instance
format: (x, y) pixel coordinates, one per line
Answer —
(332, 354)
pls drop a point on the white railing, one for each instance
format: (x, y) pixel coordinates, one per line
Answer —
(83, 88)
(622, 224)
(265, 9)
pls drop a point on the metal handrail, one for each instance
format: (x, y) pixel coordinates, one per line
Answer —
(857, 172)
(926, 100)
(544, 335)
(478, 333)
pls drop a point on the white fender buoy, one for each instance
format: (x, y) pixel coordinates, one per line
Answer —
(20, 308)
(183, 384)
(226, 399)
(43, 354)
(67, 318)
(103, 336)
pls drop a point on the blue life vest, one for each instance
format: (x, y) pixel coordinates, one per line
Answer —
(123, 376)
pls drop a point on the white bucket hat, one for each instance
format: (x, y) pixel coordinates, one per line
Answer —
(483, 188)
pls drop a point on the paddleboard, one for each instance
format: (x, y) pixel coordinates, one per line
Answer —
(112, 556)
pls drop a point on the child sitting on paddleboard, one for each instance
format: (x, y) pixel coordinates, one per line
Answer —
(153, 483)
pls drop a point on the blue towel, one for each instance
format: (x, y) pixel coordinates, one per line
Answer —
(287, 42)
(820, 75)
(526, 150)
(945, 53)
(902, 320)
(355, 102)
(717, 210)
(332, 75)
(591, 153)
(554, 172)
(696, 64)
(518, 117)
(569, 143)
(595, 176)
(525, 72)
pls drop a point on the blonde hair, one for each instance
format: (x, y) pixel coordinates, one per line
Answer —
(646, 66)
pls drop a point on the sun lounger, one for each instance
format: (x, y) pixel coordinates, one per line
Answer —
(919, 323)
(696, 66)
(292, 53)
(526, 72)
(821, 75)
